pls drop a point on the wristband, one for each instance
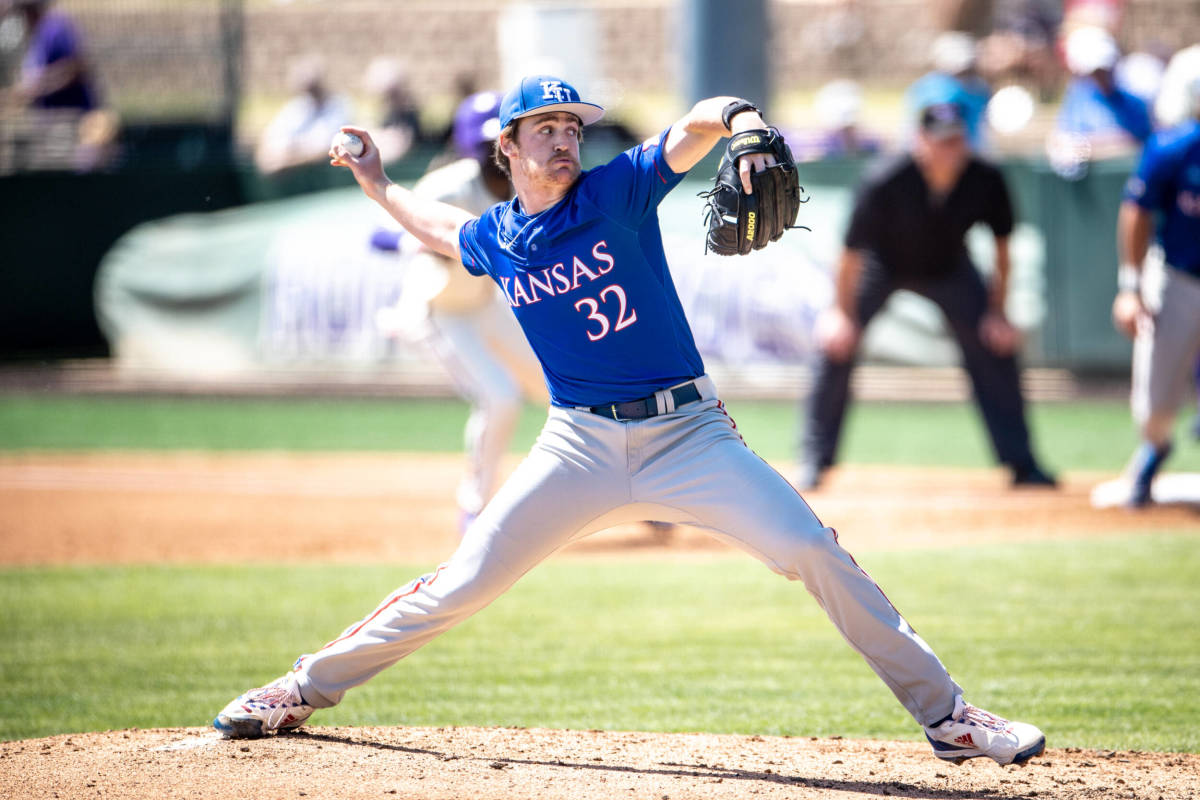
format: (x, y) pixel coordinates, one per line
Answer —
(734, 108)
(1129, 278)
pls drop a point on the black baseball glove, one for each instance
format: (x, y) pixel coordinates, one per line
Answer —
(739, 222)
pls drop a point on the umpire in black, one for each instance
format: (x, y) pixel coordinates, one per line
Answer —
(906, 232)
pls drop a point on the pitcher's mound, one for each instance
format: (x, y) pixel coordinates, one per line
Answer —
(512, 764)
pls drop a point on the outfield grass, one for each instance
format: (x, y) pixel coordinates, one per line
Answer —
(1092, 435)
(1096, 643)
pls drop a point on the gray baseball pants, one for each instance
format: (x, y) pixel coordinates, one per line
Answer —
(1165, 353)
(587, 473)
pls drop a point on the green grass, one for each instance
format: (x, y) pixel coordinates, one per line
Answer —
(1097, 643)
(1091, 435)
(1094, 641)
(57, 422)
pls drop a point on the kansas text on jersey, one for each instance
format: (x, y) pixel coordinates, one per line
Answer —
(588, 281)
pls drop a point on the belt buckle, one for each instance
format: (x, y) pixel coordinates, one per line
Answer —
(613, 409)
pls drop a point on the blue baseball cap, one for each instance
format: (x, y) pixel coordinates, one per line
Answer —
(542, 94)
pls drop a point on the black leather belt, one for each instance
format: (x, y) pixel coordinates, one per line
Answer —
(647, 406)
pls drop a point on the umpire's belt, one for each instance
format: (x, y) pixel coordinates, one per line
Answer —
(664, 401)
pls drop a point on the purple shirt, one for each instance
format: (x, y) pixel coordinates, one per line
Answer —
(55, 39)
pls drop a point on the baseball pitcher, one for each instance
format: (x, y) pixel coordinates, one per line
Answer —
(635, 428)
(461, 317)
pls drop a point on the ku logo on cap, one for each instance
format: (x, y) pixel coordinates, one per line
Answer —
(553, 90)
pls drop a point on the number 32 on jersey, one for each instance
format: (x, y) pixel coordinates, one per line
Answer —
(616, 314)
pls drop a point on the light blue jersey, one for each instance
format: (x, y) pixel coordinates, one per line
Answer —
(588, 281)
(1168, 181)
(1086, 109)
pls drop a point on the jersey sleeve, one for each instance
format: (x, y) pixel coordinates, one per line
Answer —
(630, 187)
(474, 258)
(1134, 116)
(1151, 183)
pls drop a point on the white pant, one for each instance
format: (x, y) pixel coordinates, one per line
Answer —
(586, 473)
(493, 367)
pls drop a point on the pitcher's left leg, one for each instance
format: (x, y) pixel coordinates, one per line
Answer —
(712, 475)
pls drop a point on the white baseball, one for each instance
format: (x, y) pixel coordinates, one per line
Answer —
(351, 143)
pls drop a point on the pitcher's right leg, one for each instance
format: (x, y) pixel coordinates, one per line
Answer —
(573, 476)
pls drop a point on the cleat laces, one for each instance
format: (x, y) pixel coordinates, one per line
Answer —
(275, 705)
(971, 715)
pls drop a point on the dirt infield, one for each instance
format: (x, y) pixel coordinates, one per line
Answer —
(371, 508)
(514, 764)
(214, 508)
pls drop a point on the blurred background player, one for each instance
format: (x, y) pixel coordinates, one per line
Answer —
(906, 232)
(461, 317)
(1158, 297)
(838, 107)
(301, 130)
(399, 126)
(1172, 107)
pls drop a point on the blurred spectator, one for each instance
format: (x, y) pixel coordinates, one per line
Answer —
(55, 72)
(838, 106)
(1141, 73)
(1105, 14)
(301, 131)
(906, 232)
(954, 79)
(1171, 105)
(399, 119)
(840, 33)
(1097, 119)
(1094, 105)
(1158, 289)
(1020, 47)
(65, 125)
(464, 87)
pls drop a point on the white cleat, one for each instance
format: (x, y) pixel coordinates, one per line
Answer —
(971, 732)
(260, 712)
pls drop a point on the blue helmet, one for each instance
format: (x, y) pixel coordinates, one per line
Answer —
(537, 94)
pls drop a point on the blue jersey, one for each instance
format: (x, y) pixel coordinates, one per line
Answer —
(1086, 109)
(588, 282)
(1168, 181)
